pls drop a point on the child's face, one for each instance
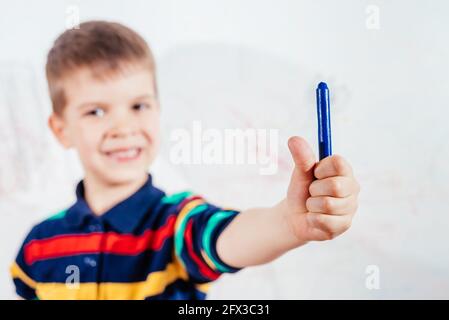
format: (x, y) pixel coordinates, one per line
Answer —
(113, 123)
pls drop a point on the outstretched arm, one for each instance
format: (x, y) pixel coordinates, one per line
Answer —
(320, 203)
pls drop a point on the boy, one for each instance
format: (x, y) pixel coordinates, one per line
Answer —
(126, 239)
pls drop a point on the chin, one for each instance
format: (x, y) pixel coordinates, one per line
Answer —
(122, 176)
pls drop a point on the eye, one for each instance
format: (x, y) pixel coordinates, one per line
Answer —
(98, 112)
(140, 106)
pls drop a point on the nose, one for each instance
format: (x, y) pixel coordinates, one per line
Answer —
(122, 126)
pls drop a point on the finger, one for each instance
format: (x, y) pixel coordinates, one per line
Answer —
(331, 205)
(327, 227)
(332, 166)
(302, 176)
(302, 154)
(339, 187)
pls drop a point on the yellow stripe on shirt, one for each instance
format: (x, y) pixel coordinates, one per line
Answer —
(155, 283)
(17, 272)
(185, 210)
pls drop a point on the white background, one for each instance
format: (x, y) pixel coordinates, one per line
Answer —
(255, 64)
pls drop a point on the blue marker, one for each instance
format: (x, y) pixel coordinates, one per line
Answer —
(324, 120)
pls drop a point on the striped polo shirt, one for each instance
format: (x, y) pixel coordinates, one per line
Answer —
(149, 246)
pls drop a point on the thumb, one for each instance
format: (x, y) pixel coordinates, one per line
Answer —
(302, 154)
(302, 177)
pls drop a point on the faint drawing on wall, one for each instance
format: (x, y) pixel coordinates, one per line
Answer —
(22, 128)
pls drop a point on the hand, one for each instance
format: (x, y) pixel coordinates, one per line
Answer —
(322, 197)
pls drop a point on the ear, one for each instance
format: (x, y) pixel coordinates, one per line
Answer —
(59, 129)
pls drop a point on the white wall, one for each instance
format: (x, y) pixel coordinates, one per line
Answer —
(240, 64)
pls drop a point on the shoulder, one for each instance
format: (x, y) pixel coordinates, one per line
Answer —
(183, 200)
(54, 224)
(176, 198)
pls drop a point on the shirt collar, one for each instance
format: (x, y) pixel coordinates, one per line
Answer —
(125, 216)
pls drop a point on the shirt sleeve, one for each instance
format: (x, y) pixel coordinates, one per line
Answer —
(197, 228)
(21, 273)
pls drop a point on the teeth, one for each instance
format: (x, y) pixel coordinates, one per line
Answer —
(127, 154)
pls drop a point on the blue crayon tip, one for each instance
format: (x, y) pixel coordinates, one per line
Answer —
(322, 85)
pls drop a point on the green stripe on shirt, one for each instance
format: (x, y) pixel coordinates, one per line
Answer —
(177, 197)
(211, 224)
(179, 234)
(58, 215)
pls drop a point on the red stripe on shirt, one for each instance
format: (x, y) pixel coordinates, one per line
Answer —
(203, 267)
(107, 242)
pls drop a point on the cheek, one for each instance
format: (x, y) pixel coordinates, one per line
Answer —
(87, 139)
(152, 129)
(156, 130)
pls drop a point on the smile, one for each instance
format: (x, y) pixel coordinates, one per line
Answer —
(124, 155)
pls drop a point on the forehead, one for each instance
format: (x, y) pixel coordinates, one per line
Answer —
(92, 85)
